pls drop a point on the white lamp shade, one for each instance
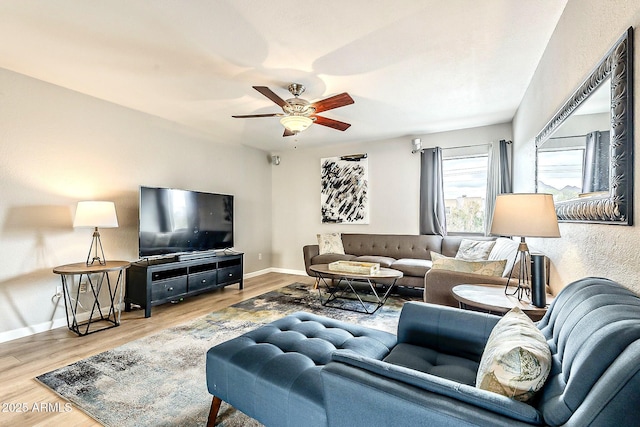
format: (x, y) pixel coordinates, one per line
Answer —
(296, 123)
(525, 215)
(96, 214)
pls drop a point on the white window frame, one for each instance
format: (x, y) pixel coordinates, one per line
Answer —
(455, 153)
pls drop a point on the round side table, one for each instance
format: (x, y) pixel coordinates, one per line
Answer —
(492, 299)
(95, 275)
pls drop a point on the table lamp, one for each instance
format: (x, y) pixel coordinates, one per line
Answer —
(96, 214)
(524, 215)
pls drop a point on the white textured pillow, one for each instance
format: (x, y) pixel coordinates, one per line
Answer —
(505, 249)
(516, 360)
(330, 243)
(475, 250)
(486, 268)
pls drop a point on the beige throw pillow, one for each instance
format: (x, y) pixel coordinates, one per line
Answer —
(486, 268)
(516, 360)
(475, 250)
(330, 243)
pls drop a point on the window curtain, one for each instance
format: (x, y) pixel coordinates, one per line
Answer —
(499, 179)
(432, 210)
(595, 176)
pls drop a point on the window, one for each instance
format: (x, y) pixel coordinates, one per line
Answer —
(465, 191)
(560, 173)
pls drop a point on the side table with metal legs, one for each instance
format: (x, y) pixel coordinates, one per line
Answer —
(96, 276)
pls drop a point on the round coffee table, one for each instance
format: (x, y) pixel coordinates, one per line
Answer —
(492, 299)
(339, 285)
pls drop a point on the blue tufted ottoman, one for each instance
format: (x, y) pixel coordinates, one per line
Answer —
(272, 373)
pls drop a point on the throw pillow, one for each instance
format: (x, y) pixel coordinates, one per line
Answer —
(475, 250)
(330, 243)
(486, 268)
(516, 360)
(505, 249)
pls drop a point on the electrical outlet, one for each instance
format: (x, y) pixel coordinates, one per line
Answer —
(260, 256)
(83, 287)
(59, 290)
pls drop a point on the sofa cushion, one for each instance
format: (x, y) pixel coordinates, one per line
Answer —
(330, 243)
(433, 362)
(475, 250)
(505, 249)
(412, 267)
(391, 245)
(486, 268)
(516, 360)
(384, 261)
(429, 383)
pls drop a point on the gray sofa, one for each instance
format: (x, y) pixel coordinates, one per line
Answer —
(410, 254)
(314, 371)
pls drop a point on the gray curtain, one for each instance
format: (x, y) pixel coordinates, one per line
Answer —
(498, 178)
(595, 175)
(505, 167)
(432, 210)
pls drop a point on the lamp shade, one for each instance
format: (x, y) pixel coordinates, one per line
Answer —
(96, 214)
(296, 124)
(525, 215)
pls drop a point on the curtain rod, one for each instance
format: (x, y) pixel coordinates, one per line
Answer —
(466, 146)
(470, 145)
(568, 136)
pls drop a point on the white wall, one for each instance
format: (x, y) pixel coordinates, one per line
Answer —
(58, 147)
(585, 32)
(394, 174)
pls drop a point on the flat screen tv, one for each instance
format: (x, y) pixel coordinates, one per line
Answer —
(175, 221)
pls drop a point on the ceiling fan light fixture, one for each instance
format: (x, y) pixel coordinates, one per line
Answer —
(296, 124)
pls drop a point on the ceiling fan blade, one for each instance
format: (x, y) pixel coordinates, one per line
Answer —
(271, 95)
(287, 132)
(247, 116)
(330, 103)
(335, 124)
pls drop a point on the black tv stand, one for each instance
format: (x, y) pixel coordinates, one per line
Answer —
(158, 281)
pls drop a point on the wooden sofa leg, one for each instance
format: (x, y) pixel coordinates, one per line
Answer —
(213, 412)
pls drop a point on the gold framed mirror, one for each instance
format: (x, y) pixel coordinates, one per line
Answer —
(584, 155)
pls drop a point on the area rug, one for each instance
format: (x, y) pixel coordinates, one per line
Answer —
(160, 380)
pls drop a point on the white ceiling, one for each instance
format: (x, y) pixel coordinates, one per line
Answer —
(412, 67)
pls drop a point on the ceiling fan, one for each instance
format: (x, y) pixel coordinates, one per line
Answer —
(298, 114)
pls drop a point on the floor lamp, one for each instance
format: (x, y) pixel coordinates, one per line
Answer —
(524, 215)
(96, 214)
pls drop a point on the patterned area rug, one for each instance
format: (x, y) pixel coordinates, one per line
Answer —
(160, 380)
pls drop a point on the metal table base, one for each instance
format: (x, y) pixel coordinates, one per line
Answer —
(342, 289)
(95, 284)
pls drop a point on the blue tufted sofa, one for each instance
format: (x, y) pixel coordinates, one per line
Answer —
(273, 373)
(309, 370)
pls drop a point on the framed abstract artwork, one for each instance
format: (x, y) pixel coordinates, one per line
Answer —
(344, 195)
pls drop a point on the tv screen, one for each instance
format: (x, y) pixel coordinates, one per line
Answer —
(175, 221)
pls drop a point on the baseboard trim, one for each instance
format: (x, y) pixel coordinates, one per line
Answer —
(26, 331)
(256, 273)
(275, 270)
(288, 271)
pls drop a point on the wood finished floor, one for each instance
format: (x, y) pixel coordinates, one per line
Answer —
(23, 359)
